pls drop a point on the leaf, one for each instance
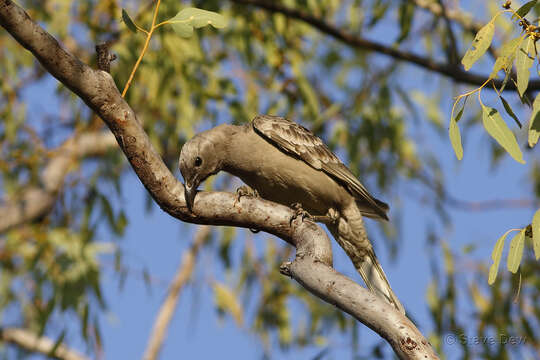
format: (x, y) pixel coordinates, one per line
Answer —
(496, 257)
(534, 122)
(524, 10)
(127, 20)
(189, 18)
(523, 63)
(52, 352)
(497, 128)
(227, 301)
(455, 136)
(535, 225)
(480, 44)
(406, 14)
(516, 251)
(506, 58)
(509, 110)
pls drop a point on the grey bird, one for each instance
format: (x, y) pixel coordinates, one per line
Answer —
(286, 163)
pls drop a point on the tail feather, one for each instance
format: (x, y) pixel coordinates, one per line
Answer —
(373, 275)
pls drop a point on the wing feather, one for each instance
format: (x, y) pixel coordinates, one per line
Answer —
(298, 141)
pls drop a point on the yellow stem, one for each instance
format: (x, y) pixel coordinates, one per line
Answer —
(145, 47)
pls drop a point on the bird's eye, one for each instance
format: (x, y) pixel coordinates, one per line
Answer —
(198, 161)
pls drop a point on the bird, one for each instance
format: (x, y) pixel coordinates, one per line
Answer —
(286, 163)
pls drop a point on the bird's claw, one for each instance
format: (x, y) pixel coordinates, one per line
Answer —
(244, 190)
(299, 212)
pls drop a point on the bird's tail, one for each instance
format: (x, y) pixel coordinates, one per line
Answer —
(373, 275)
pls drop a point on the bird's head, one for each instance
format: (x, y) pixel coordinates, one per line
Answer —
(199, 158)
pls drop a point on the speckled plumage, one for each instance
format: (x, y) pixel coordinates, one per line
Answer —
(286, 163)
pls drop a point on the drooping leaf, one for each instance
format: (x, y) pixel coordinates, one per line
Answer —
(227, 301)
(406, 14)
(516, 251)
(506, 56)
(509, 110)
(496, 257)
(189, 18)
(455, 135)
(523, 62)
(127, 20)
(479, 46)
(535, 225)
(497, 128)
(524, 10)
(534, 122)
(52, 352)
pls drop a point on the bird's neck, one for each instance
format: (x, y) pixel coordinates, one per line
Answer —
(236, 149)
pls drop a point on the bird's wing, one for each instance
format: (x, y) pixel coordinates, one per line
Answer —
(298, 141)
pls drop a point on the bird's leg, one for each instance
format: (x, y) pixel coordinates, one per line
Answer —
(299, 212)
(244, 190)
(331, 217)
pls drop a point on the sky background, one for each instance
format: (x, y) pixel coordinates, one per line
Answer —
(155, 241)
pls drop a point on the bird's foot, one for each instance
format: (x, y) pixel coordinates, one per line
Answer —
(331, 217)
(299, 212)
(244, 190)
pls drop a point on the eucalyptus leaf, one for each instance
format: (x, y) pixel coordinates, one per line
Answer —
(189, 18)
(523, 64)
(497, 128)
(509, 110)
(524, 10)
(479, 46)
(516, 251)
(127, 20)
(535, 225)
(534, 122)
(506, 58)
(496, 257)
(455, 135)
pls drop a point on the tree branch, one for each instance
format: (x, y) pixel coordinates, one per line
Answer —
(456, 15)
(312, 266)
(452, 71)
(34, 202)
(183, 274)
(26, 340)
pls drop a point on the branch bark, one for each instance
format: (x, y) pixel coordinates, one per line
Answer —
(183, 274)
(312, 266)
(33, 343)
(35, 202)
(452, 71)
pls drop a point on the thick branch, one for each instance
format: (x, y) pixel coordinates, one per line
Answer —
(34, 202)
(452, 71)
(30, 342)
(183, 274)
(99, 92)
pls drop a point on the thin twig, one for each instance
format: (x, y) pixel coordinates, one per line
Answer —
(183, 274)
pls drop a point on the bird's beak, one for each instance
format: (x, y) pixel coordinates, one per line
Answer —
(189, 194)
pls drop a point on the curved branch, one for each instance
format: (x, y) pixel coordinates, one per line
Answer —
(452, 71)
(35, 202)
(183, 274)
(313, 264)
(33, 343)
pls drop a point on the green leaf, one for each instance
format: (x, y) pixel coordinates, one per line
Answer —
(497, 128)
(127, 20)
(535, 225)
(480, 44)
(523, 63)
(509, 110)
(455, 135)
(524, 10)
(496, 257)
(506, 58)
(189, 18)
(516, 251)
(227, 301)
(534, 122)
(406, 14)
